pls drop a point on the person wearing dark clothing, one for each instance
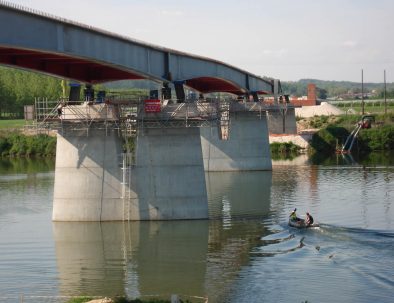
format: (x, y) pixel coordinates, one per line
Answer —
(308, 219)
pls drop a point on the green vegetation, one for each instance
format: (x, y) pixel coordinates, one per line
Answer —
(17, 145)
(334, 133)
(19, 88)
(375, 107)
(336, 88)
(80, 300)
(123, 300)
(329, 139)
(25, 165)
(13, 123)
(284, 151)
(375, 139)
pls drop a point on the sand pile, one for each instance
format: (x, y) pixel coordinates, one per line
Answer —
(324, 109)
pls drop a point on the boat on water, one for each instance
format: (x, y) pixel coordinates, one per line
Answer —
(300, 223)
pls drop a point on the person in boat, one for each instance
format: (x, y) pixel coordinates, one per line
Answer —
(293, 215)
(308, 219)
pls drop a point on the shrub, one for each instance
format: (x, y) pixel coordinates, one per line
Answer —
(377, 138)
(5, 146)
(16, 144)
(287, 150)
(327, 140)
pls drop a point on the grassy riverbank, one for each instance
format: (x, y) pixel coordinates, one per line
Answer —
(333, 133)
(335, 130)
(12, 124)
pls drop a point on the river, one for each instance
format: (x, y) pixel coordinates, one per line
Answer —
(245, 253)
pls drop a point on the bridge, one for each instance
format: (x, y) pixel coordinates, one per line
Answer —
(128, 162)
(71, 50)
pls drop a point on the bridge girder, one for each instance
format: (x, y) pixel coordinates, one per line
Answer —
(67, 49)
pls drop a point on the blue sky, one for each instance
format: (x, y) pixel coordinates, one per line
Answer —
(284, 39)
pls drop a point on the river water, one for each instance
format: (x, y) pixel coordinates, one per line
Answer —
(245, 253)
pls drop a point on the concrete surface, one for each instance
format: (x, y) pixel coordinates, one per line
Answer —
(246, 149)
(279, 124)
(87, 177)
(168, 179)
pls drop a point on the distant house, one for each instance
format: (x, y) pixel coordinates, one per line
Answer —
(309, 100)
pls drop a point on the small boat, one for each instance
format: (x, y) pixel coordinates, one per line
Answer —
(301, 224)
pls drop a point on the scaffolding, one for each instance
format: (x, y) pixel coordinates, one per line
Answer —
(224, 119)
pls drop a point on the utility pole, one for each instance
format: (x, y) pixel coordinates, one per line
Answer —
(362, 91)
(385, 99)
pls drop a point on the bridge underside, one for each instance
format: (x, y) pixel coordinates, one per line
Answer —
(94, 72)
(67, 67)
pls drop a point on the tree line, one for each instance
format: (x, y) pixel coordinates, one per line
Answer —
(334, 89)
(19, 87)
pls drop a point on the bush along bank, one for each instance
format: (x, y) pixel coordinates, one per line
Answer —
(331, 138)
(19, 145)
(286, 150)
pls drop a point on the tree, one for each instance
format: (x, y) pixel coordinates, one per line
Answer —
(321, 93)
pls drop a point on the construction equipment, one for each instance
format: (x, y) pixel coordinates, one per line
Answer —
(365, 123)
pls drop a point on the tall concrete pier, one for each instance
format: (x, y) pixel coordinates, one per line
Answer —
(166, 182)
(88, 179)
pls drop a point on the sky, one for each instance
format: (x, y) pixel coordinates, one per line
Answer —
(284, 39)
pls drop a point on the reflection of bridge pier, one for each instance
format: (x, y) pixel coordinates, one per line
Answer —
(193, 258)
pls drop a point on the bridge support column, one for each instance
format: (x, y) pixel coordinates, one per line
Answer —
(168, 180)
(88, 177)
(282, 121)
(247, 147)
(180, 91)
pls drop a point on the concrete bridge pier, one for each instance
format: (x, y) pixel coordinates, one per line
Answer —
(167, 181)
(282, 121)
(246, 148)
(88, 179)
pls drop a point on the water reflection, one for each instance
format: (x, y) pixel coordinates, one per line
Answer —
(197, 258)
(246, 251)
(26, 165)
(238, 194)
(194, 258)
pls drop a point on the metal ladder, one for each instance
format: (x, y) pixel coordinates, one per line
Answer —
(128, 127)
(126, 182)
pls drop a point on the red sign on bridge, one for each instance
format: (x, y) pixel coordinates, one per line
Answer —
(152, 106)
